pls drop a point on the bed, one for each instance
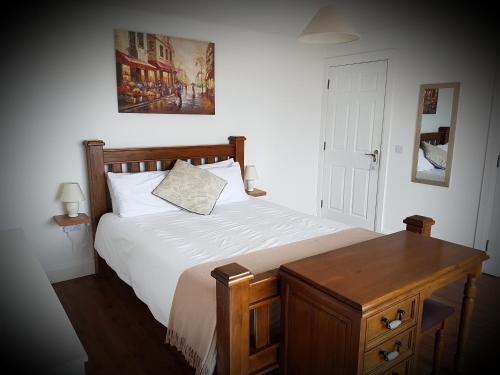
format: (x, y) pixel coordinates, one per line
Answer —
(134, 249)
(425, 170)
(150, 252)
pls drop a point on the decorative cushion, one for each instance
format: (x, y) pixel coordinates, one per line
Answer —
(192, 188)
(435, 155)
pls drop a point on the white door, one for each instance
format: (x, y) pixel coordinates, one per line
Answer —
(492, 266)
(353, 134)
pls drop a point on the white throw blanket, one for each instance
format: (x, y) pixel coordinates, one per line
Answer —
(191, 327)
(150, 252)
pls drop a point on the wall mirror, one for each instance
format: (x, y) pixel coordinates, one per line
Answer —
(435, 133)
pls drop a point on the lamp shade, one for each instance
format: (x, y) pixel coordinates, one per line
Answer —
(328, 27)
(251, 172)
(71, 192)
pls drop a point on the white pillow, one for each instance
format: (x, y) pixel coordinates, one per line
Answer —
(423, 163)
(219, 164)
(443, 147)
(131, 193)
(235, 189)
(435, 155)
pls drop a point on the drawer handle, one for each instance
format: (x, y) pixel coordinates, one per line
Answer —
(390, 356)
(393, 324)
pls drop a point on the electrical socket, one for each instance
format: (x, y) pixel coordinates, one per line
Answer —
(71, 228)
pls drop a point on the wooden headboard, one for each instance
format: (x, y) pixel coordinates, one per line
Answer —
(101, 160)
(437, 138)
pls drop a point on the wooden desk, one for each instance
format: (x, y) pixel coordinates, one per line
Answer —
(333, 304)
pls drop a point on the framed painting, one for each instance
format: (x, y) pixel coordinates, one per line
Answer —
(430, 101)
(161, 74)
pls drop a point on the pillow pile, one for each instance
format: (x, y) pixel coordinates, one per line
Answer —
(435, 155)
(423, 163)
(194, 188)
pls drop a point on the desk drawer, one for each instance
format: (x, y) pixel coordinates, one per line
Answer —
(386, 321)
(392, 351)
(402, 369)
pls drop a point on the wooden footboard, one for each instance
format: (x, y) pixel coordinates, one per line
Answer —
(247, 329)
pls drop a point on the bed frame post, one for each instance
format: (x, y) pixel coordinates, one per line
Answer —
(239, 143)
(97, 193)
(233, 318)
(419, 224)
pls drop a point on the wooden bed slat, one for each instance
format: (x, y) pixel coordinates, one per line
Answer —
(135, 167)
(168, 164)
(264, 360)
(116, 168)
(167, 153)
(151, 166)
(262, 327)
(264, 286)
(440, 137)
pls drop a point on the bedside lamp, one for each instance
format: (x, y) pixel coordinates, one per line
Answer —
(71, 195)
(250, 176)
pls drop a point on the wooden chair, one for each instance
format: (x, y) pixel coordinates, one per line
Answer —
(434, 318)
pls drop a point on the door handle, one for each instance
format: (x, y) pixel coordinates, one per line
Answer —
(374, 155)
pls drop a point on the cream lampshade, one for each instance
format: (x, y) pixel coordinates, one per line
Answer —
(71, 195)
(250, 176)
(328, 27)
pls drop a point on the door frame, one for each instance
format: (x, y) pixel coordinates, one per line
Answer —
(490, 170)
(391, 56)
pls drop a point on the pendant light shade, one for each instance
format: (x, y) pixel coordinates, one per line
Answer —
(328, 27)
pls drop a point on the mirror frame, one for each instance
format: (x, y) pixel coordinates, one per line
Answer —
(451, 137)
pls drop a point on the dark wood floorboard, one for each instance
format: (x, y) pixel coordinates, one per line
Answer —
(121, 336)
(117, 330)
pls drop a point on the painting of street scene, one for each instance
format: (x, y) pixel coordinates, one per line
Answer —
(162, 74)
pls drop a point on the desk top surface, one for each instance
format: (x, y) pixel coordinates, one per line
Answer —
(368, 273)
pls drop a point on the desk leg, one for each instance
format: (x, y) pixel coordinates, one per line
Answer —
(465, 317)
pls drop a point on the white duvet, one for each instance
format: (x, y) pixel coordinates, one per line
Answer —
(150, 252)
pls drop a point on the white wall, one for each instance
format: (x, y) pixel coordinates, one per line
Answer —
(432, 55)
(58, 88)
(62, 90)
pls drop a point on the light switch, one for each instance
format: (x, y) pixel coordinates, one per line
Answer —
(398, 149)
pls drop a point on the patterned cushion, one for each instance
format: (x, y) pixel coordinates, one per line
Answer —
(191, 188)
(435, 155)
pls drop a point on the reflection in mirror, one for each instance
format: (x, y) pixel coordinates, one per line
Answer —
(436, 117)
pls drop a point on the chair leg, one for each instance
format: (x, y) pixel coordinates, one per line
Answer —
(438, 347)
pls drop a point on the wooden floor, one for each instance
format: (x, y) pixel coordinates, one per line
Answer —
(121, 336)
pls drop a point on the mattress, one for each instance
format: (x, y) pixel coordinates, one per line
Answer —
(150, 252)
(435, 174)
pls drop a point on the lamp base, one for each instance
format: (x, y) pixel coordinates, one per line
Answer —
(72, 209)
(250, 185)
